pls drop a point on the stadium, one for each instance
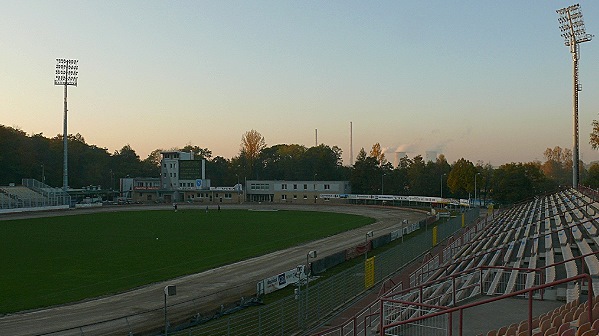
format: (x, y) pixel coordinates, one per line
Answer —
(286, 239)
(537, 258)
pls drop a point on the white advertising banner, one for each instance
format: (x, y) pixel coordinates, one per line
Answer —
(277, 282)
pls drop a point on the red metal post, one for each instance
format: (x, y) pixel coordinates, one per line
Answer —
(461, 321)
(530, 313)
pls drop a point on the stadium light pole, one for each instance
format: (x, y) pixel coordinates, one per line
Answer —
(66, 74)
(574, 33)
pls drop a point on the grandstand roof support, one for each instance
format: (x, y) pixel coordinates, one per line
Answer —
(573, 32)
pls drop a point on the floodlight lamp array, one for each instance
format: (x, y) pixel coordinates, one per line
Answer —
(572, 25)
(66, 72)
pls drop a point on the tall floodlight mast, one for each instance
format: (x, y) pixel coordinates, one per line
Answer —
(66, 74)
(573, 31)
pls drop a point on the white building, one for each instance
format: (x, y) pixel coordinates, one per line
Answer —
(293, 191)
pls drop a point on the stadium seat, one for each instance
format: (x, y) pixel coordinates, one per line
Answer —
(557, 320)
(550, 331)
(582, 318)
(545, 324)
(568, 332)
(492, 333)
(583, 328)
(512, 330)
(595, 325)
(590, 333)
(569, 316)
(565, 326)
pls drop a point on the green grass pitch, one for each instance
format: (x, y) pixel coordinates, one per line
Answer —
(54, 260)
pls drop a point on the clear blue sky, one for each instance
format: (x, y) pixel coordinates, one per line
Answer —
(482, 80)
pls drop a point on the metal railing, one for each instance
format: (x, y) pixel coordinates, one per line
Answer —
(390, 325)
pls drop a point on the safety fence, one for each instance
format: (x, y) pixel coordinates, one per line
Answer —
(316, 302)
(418, 245)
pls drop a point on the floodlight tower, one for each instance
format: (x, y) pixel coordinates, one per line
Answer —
(66, 74)
(573, 31)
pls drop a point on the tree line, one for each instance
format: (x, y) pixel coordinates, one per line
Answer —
(35, 156)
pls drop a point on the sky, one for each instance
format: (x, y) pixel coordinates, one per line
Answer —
(488, 81)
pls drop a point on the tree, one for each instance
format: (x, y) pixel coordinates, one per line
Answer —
(594, 137)
(252, 143)
(558, 164)
(377, 153)
(461, 178)
(199, 153)
(282, 162)
(154, 158)
(417, 176)
(365, 177)
(592, 178)
(515, 182)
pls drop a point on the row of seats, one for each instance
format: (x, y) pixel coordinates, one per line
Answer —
(570, 319)
(541, 234)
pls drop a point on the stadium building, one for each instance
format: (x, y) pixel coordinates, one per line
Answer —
(294, 191)
(182, 179)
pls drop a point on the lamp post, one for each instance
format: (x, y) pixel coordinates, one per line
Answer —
(314, 181)
(368, 234)
(169, 290)
(475, 189)
(442, 184)
(383, 183)
(66, 74)
(238, 187)
(311, 254)
(574, 33)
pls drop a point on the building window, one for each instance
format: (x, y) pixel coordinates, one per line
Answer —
(164, 175)
(327, 187)
(284, 186)
(294, 196)
(227, 195)
(305, 197)
(305, 187)
(295, 187)
(284, 197)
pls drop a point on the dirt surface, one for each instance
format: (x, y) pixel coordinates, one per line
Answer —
(195, 293)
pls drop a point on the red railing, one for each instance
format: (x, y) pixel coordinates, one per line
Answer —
(460, 309)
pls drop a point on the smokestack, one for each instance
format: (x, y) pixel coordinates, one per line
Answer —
(203, 169)
(351, 144)
(316, 143)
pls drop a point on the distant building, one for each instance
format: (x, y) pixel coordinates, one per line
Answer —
(293, 191)
(182, 179)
